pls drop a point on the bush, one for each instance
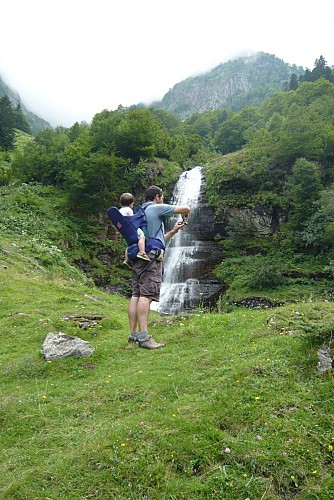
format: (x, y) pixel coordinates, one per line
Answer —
(267, 277)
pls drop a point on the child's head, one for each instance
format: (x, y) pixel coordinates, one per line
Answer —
(126, 199)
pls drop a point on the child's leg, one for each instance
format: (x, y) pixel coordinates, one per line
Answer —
(141, 244)
(126, 260)
(141, 247)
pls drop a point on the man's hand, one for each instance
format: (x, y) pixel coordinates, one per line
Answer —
(177, 227)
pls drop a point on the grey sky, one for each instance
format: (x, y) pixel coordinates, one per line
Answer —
(70, 59)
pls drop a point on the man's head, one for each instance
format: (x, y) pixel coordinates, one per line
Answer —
(155, 194)
(126, 199)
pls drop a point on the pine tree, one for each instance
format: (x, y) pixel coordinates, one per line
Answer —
(293, 82)
(6, 124)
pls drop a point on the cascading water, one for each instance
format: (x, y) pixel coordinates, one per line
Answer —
(183, 265)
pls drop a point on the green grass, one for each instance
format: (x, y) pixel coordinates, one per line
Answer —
(232, 408)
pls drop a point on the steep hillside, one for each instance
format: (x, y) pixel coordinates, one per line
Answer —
(36, 123)
(245, 81)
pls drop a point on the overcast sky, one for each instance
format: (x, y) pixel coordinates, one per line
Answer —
(70, 59)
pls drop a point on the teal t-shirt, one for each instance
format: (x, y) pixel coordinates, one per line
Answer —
(155, 215)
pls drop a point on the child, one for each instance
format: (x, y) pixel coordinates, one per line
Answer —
(127, 201)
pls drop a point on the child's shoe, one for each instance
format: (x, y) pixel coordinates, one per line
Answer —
(160, 257)
(143, 256)
(127, 264)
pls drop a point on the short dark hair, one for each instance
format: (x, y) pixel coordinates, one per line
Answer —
(152, 191)
(126, 199)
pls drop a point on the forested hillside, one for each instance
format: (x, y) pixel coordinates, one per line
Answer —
(276, 159)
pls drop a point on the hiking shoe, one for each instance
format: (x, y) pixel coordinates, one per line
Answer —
(149, 343)
(133, 337)
(143, 256)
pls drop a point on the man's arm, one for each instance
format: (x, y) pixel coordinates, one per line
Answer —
(172, 232)
(179, 210)
(184, 212)
(182, 209)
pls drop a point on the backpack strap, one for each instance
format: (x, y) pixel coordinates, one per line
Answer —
(144, 207)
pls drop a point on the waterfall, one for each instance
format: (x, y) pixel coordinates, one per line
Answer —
(180, 289)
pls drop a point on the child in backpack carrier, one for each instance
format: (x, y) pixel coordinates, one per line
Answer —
(126, 201)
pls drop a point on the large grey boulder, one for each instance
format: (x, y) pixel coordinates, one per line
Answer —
(59, 345)
(324, 359)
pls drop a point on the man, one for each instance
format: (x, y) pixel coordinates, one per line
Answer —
(147, 276)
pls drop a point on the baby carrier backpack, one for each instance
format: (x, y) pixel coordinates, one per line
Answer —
(128, 227)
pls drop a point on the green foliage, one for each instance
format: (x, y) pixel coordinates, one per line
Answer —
(286, 160)
(303, 189)
(36, 219)
(277, 276)
(139, 136)
(11, 119)
(317, 232)
(20, 120)
(267, 277)
(207, 123)
(320, 70)
(5, 168)
(230, 136)
(123, 150)
(255, 272)
(6, 124)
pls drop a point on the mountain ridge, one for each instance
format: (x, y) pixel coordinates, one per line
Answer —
(235, 84)
(36, 123)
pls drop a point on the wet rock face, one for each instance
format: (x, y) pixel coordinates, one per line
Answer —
(258, 221)
(199, 277)
(209, 254)
(203, 227)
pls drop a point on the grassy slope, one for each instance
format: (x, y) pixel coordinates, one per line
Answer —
(232, 408)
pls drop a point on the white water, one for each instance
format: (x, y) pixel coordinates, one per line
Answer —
(180, 287)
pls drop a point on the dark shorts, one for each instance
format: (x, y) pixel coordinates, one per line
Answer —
(146, 279)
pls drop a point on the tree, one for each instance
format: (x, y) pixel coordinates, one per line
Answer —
(318, 232)
(42, 159)
(139, 135)
(320, 70)
(93, 180)
(230, 135)
(7, 123)
(293, 82)
(104, 130)
(20, 121)
(303, 189)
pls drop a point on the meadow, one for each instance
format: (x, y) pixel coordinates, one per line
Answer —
(234, 407)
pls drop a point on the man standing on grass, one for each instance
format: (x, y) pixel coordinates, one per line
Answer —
(147, 276)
